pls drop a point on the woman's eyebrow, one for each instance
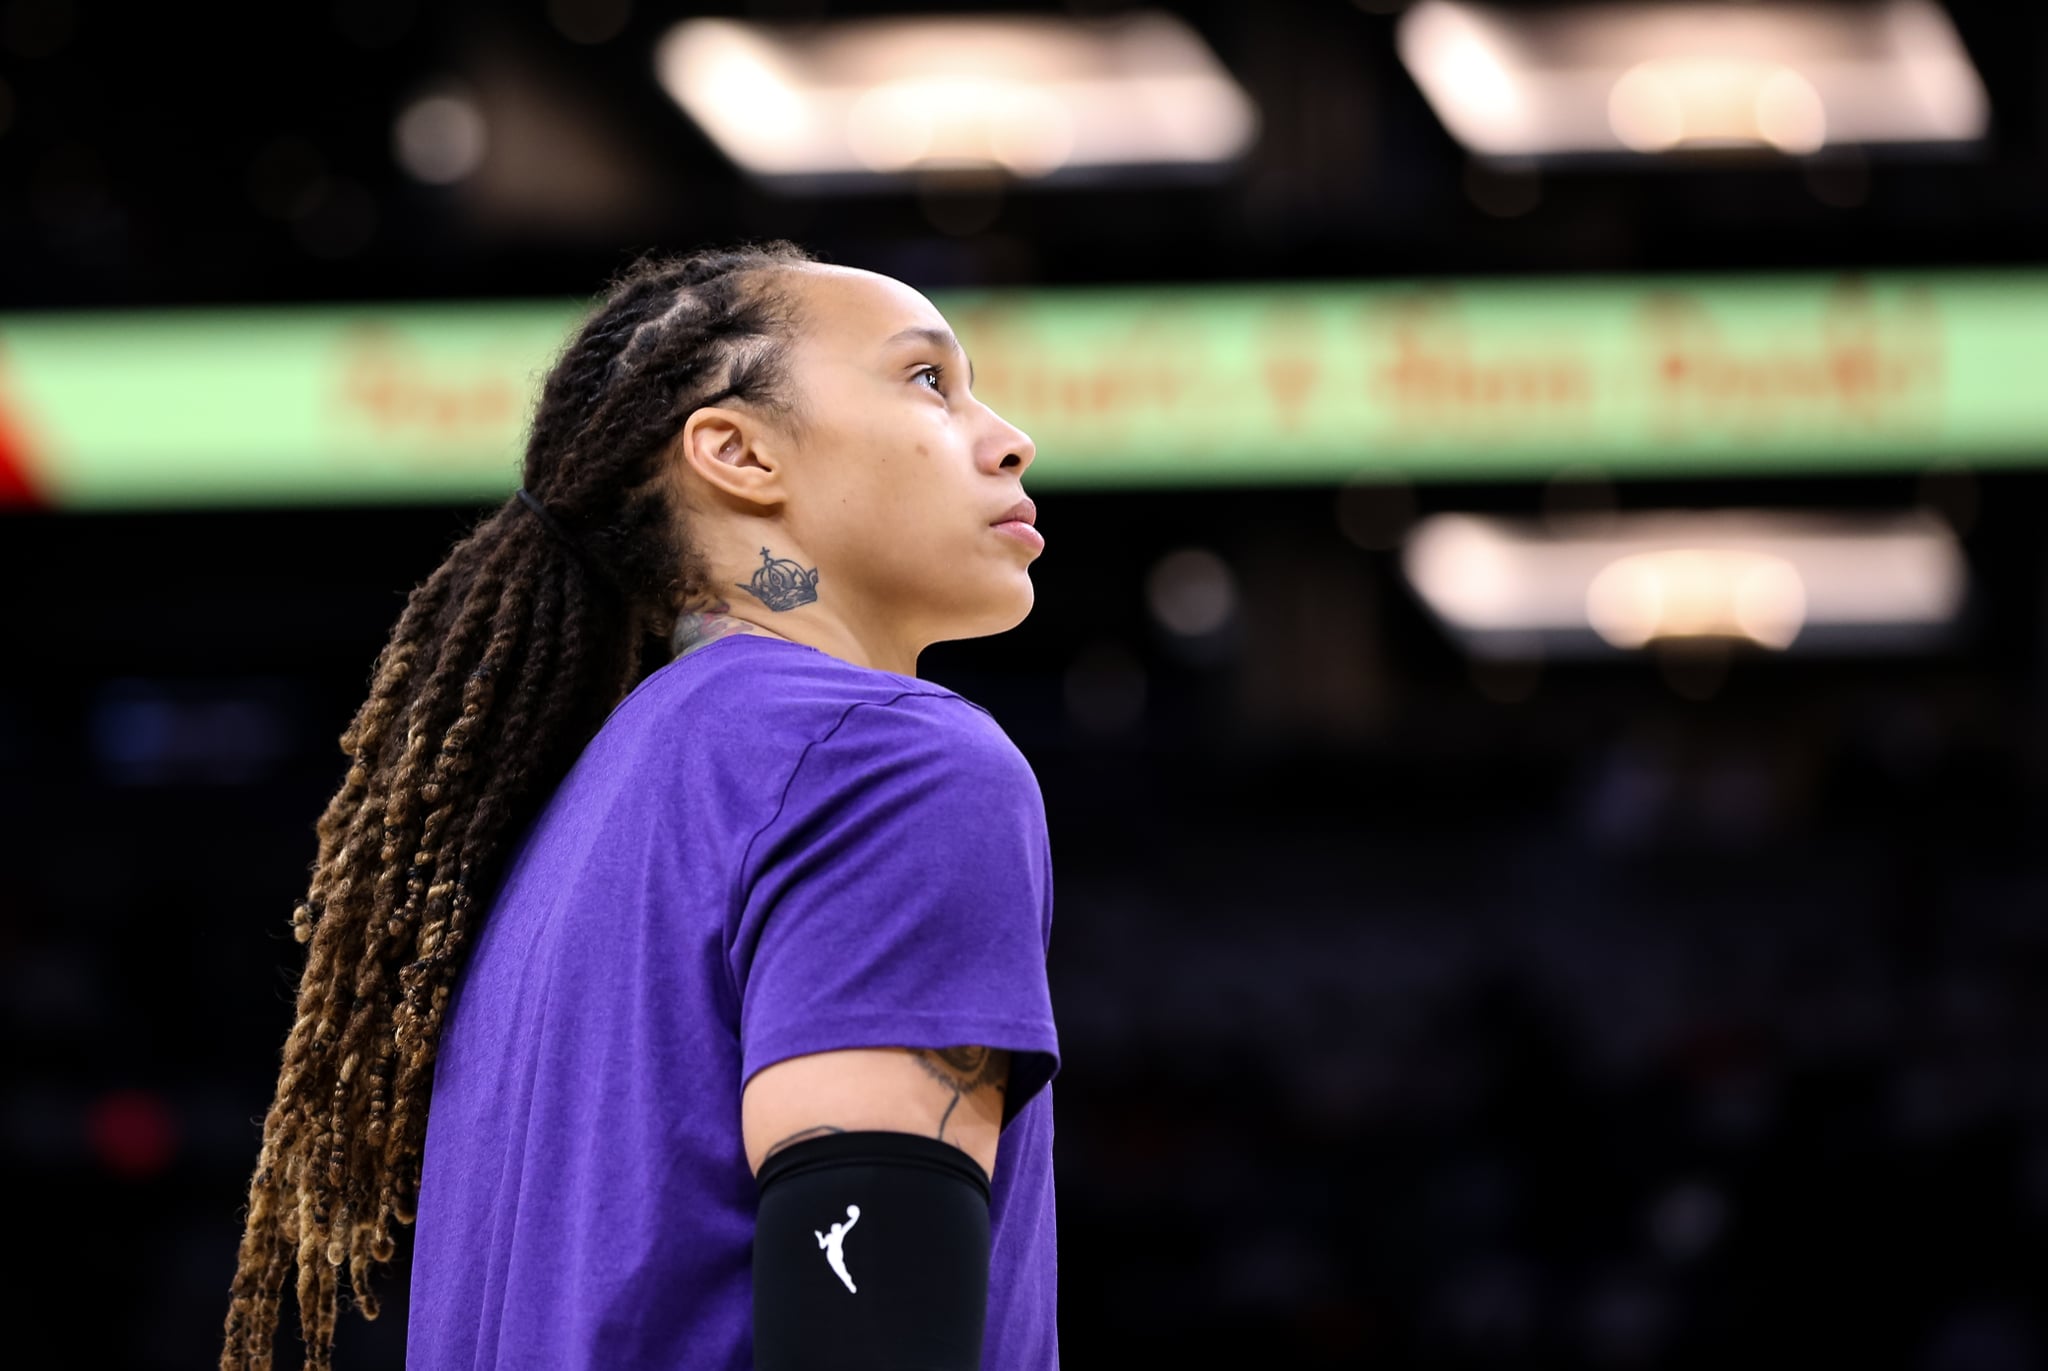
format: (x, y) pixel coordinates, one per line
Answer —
(940, 338)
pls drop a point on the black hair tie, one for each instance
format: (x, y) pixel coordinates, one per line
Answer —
(568, 540)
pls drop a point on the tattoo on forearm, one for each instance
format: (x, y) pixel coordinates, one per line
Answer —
(817, 1132)
(780, 583)
(962, 1070)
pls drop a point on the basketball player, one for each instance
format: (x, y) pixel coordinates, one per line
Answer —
(637, 988)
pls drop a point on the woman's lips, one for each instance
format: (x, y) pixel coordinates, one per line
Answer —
(1023, 532)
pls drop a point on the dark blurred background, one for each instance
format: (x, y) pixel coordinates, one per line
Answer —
(1681, 1006)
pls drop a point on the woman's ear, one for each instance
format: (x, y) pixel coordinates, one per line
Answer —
(733, 453)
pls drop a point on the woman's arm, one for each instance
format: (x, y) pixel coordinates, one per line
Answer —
(954, 1094)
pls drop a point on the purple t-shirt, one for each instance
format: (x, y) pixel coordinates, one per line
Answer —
(766, 851)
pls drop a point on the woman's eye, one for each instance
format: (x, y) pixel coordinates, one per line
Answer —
(935, 372)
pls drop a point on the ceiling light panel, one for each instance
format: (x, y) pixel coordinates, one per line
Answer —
(1659, 78)
(1035, 96)
(1847, 581)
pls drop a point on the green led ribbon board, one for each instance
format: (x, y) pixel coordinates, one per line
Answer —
(1200, 385)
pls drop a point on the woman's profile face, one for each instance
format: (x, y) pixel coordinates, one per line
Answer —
(897, 475)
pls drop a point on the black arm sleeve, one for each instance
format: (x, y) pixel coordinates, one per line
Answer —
(870, 1254)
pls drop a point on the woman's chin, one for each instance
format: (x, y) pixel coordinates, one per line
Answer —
(1004, 610)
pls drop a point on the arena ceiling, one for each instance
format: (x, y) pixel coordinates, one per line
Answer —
(174, 155)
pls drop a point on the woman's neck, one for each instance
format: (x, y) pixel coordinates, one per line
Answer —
(707, 624)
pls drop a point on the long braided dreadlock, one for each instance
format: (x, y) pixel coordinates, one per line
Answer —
(502, 665)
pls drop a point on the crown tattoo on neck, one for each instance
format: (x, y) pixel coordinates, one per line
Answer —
(780, 583)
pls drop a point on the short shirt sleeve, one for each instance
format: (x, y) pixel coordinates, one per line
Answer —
(901, 896)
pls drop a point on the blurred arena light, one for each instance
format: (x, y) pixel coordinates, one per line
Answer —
(589, 21)
(1654, 78)
(440, 138)
(1191, 592)
(1848, 581)
(1105, 689)
(1035, 96)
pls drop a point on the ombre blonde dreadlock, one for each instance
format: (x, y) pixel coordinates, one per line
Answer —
(501, 667)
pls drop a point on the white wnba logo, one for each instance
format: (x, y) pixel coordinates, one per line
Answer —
(834, 1243)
